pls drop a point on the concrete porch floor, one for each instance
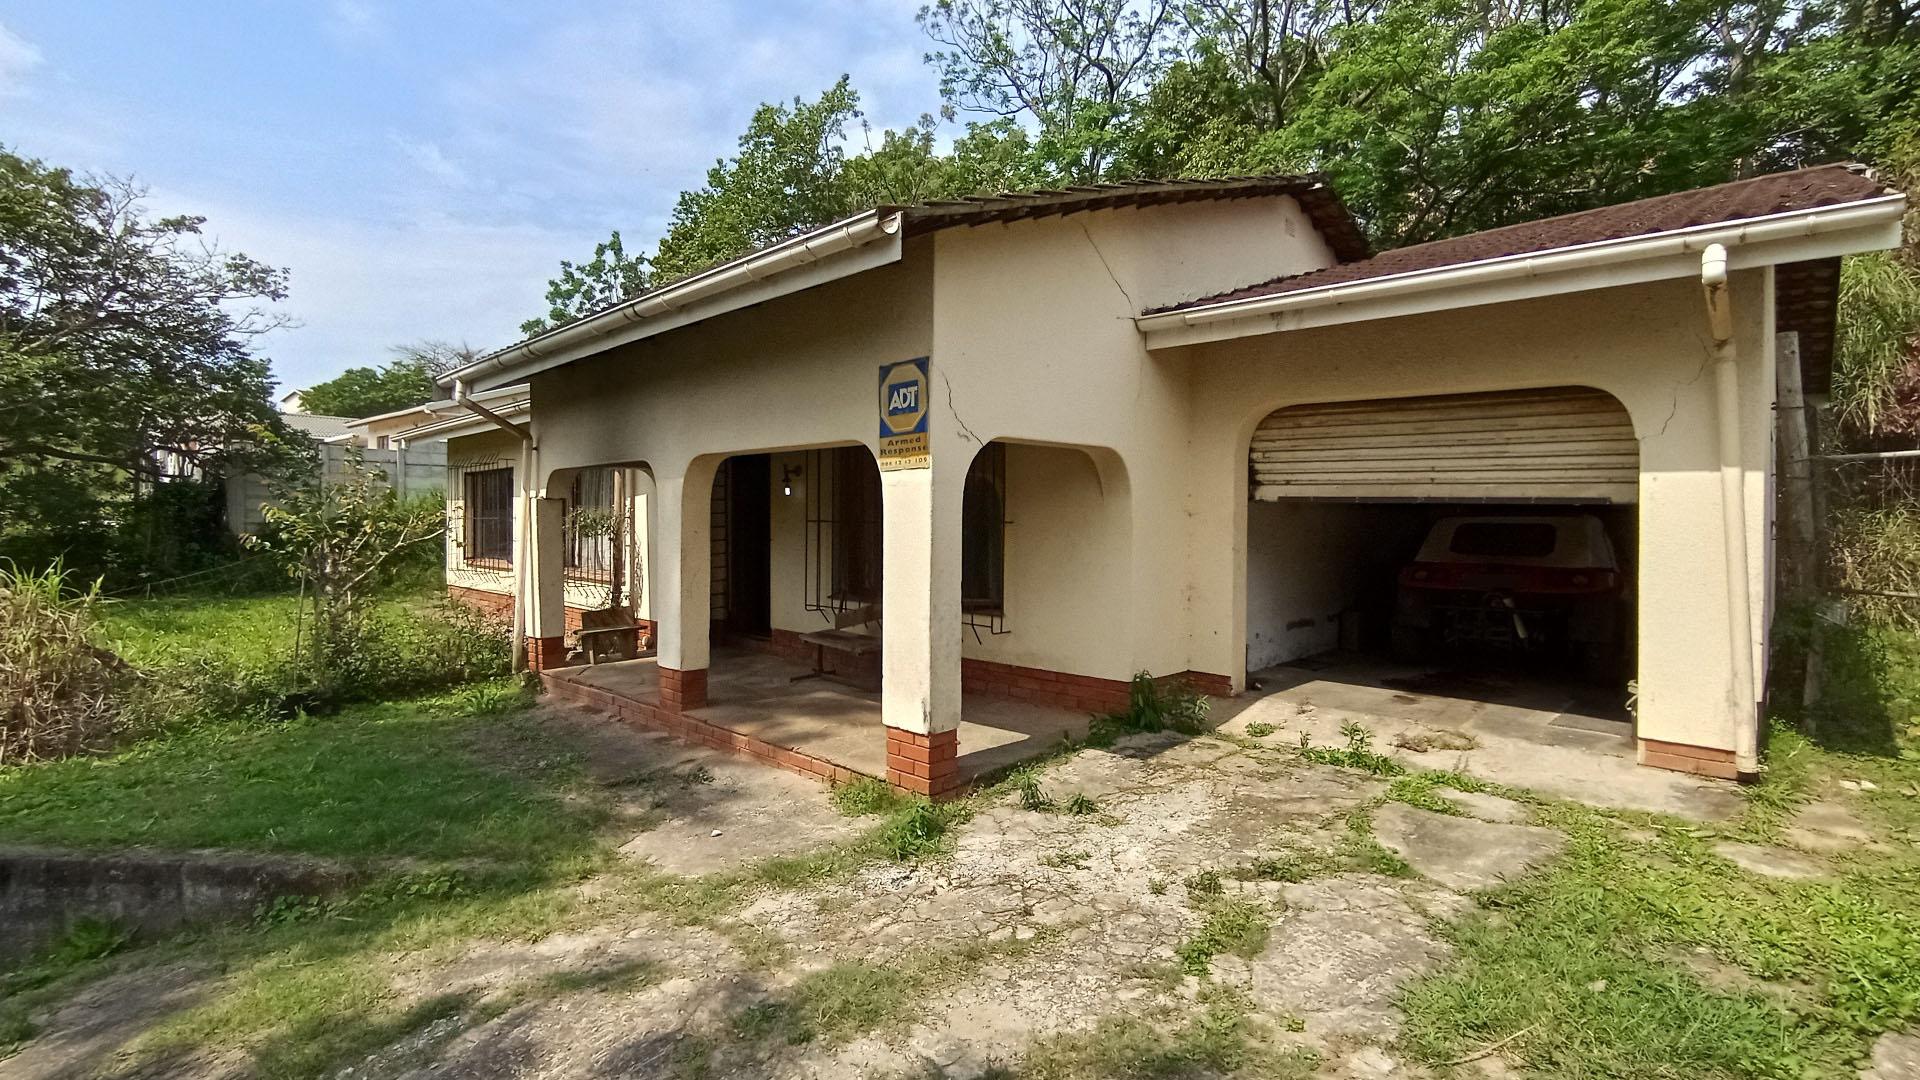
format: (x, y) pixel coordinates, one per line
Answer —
(755, 694)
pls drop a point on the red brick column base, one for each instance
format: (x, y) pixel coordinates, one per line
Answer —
(1699, 760)
(923, 764)
(545, 653)
(683, 691)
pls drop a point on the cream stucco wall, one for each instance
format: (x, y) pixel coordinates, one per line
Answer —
(1647, 345)
(1034, 341)
(1127, 547)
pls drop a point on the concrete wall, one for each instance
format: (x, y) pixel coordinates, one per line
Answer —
(1647, 345)
(419, 470)
(1309, 562)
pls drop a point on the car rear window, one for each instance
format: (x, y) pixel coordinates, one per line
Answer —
(1503, 539)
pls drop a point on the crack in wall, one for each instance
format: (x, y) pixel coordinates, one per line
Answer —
(1133, 307)
(955, 411)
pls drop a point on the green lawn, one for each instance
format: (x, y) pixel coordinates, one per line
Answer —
(419, 779)
(253, 631)
(1642, 953)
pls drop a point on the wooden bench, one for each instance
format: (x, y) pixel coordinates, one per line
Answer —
(842, 640)
(608, 634)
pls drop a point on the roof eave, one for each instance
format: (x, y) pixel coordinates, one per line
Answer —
(809, 259)
(1848, 228)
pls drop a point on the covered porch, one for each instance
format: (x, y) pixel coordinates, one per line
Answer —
(764, 705)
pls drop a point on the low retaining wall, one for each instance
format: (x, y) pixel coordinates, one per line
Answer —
(43, 893)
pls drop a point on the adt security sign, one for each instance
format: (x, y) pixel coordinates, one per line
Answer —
(903, 416)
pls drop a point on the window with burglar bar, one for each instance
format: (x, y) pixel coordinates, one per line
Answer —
(983, 534)
(843, 529)
(487, 522)
(590, 529)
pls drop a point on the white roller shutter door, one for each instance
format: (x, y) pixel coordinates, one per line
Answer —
(1563, 444)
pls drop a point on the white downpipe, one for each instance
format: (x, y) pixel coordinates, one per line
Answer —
(522, 519)
(1742, 697)
(1577, 257)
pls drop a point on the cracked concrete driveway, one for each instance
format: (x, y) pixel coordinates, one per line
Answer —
(1203, 869)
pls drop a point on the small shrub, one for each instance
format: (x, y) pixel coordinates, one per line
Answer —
(915, 831)
(1032, 796)
(1153, 706)
(865, 795)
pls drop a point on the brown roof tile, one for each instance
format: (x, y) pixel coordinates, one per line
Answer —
(1323, 206)
(1805, 189)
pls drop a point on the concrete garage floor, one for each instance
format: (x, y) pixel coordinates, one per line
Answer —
(755, 694)
(1561, 738)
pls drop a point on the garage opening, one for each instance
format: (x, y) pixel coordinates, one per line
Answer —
(1472, 548)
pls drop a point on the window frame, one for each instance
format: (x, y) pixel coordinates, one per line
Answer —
(489, 516)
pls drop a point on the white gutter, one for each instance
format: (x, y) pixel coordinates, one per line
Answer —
(523, 542)
(1742, 694)
(1787, 225)
(800, 251)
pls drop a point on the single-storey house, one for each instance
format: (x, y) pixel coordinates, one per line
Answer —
(1019, 448)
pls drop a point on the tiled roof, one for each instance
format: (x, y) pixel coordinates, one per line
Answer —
(1315, 195)
(1805, 189)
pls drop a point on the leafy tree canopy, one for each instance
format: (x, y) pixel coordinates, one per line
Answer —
(123, 357)
(402, 383)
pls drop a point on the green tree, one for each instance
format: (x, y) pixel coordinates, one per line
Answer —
(1075, 68)
(787, 177)
(365, 391)
(601, 282)
(123, 358)
(343, 539)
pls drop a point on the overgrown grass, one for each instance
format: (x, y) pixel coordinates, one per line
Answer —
(850, 998)
(1584, 966)
(1221, 1039)
(417, 779)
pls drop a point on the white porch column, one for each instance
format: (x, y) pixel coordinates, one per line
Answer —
(920, 624)
(546, 612)
(680, 577)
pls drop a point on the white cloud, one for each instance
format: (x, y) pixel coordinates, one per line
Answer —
(356, 21)
(17, 58)
(359, 287)
(430, 159)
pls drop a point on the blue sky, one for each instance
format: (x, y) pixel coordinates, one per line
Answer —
(421, 168)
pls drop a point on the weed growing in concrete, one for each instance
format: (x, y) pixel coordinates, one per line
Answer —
(1259, 730)
(830, 1005)
(1080, 804)
(1066, 860)
(1154, 706)
(1203, 887)
(1231, 926)
(1424, 790)
(1357, 754)
(917, 830)
(1157, 886)
(1223, 1039)
(1032, 796)
(865, 795)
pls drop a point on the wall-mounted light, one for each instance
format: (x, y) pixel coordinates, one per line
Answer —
(789, 479)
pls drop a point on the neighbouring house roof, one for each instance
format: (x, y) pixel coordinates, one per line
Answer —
(1806, 291)
(322, 428)
(893, 222)
(444, 418)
